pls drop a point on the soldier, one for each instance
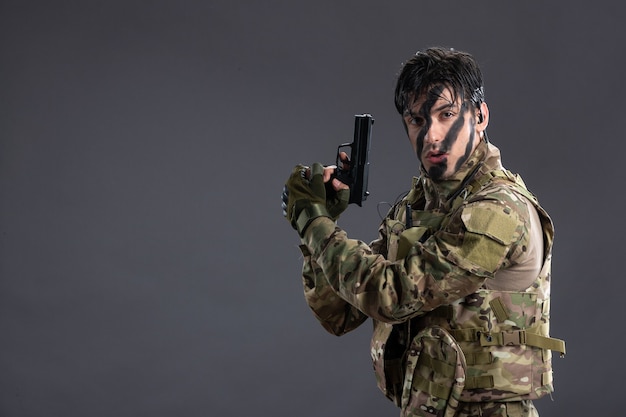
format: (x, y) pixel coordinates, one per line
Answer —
(458, 282)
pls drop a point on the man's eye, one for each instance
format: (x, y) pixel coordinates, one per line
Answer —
(416, 121)
(447, 114)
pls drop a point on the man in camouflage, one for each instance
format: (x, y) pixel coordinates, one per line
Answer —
(458, 282)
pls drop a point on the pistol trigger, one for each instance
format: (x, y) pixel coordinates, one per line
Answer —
(341, 161)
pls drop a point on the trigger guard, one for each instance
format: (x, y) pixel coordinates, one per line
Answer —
(338, 159)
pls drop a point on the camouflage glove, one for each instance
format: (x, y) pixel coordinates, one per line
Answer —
(306, 199)
(336, 201)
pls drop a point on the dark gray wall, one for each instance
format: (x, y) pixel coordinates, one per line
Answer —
(145, 267)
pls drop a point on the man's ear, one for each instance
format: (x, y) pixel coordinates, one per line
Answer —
(482, 118)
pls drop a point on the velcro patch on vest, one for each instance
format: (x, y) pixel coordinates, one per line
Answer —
(490, 220)
(489, 232)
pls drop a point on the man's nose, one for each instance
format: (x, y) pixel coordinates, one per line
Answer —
(434, 133)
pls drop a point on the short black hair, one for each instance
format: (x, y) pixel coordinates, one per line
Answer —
(436, 65)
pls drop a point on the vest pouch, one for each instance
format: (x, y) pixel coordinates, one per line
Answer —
(435, 375)
(388, 371)
(408, 238)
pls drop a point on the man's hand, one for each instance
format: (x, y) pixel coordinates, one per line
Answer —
(337, 193)
(309, 193)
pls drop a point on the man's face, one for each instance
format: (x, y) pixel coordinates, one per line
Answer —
(443, 131)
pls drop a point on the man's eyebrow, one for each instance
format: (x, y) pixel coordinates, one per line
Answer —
(448, 105)
(408, 112)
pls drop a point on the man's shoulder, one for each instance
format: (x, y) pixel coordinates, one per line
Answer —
(508, 192)
(502, 206)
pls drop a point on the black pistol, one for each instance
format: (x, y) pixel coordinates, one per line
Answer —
(356, 175)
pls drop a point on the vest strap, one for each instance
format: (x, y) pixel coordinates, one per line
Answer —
(499, 309)
(546, 378)
(478, 358)
(522, 337)
(485, 381)
(433, 388)
(509, 338)
(436, 365)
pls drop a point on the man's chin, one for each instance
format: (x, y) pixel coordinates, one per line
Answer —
(438, 172)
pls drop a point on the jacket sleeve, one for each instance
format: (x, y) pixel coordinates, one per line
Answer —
(451, 264)
(335, 314)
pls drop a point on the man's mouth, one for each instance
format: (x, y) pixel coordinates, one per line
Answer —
(436, 157)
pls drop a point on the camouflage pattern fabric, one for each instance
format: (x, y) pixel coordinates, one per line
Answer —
(434, 375)
(432, 275)
(523, 408)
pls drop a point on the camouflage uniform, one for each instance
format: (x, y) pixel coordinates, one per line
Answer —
(444, 341)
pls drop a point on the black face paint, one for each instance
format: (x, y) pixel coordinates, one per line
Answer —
(436, 172)
(468, 149)
(432, 96)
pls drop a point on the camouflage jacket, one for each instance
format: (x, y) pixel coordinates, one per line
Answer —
(431, 271)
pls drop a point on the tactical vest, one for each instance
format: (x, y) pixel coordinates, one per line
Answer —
(501, 338)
